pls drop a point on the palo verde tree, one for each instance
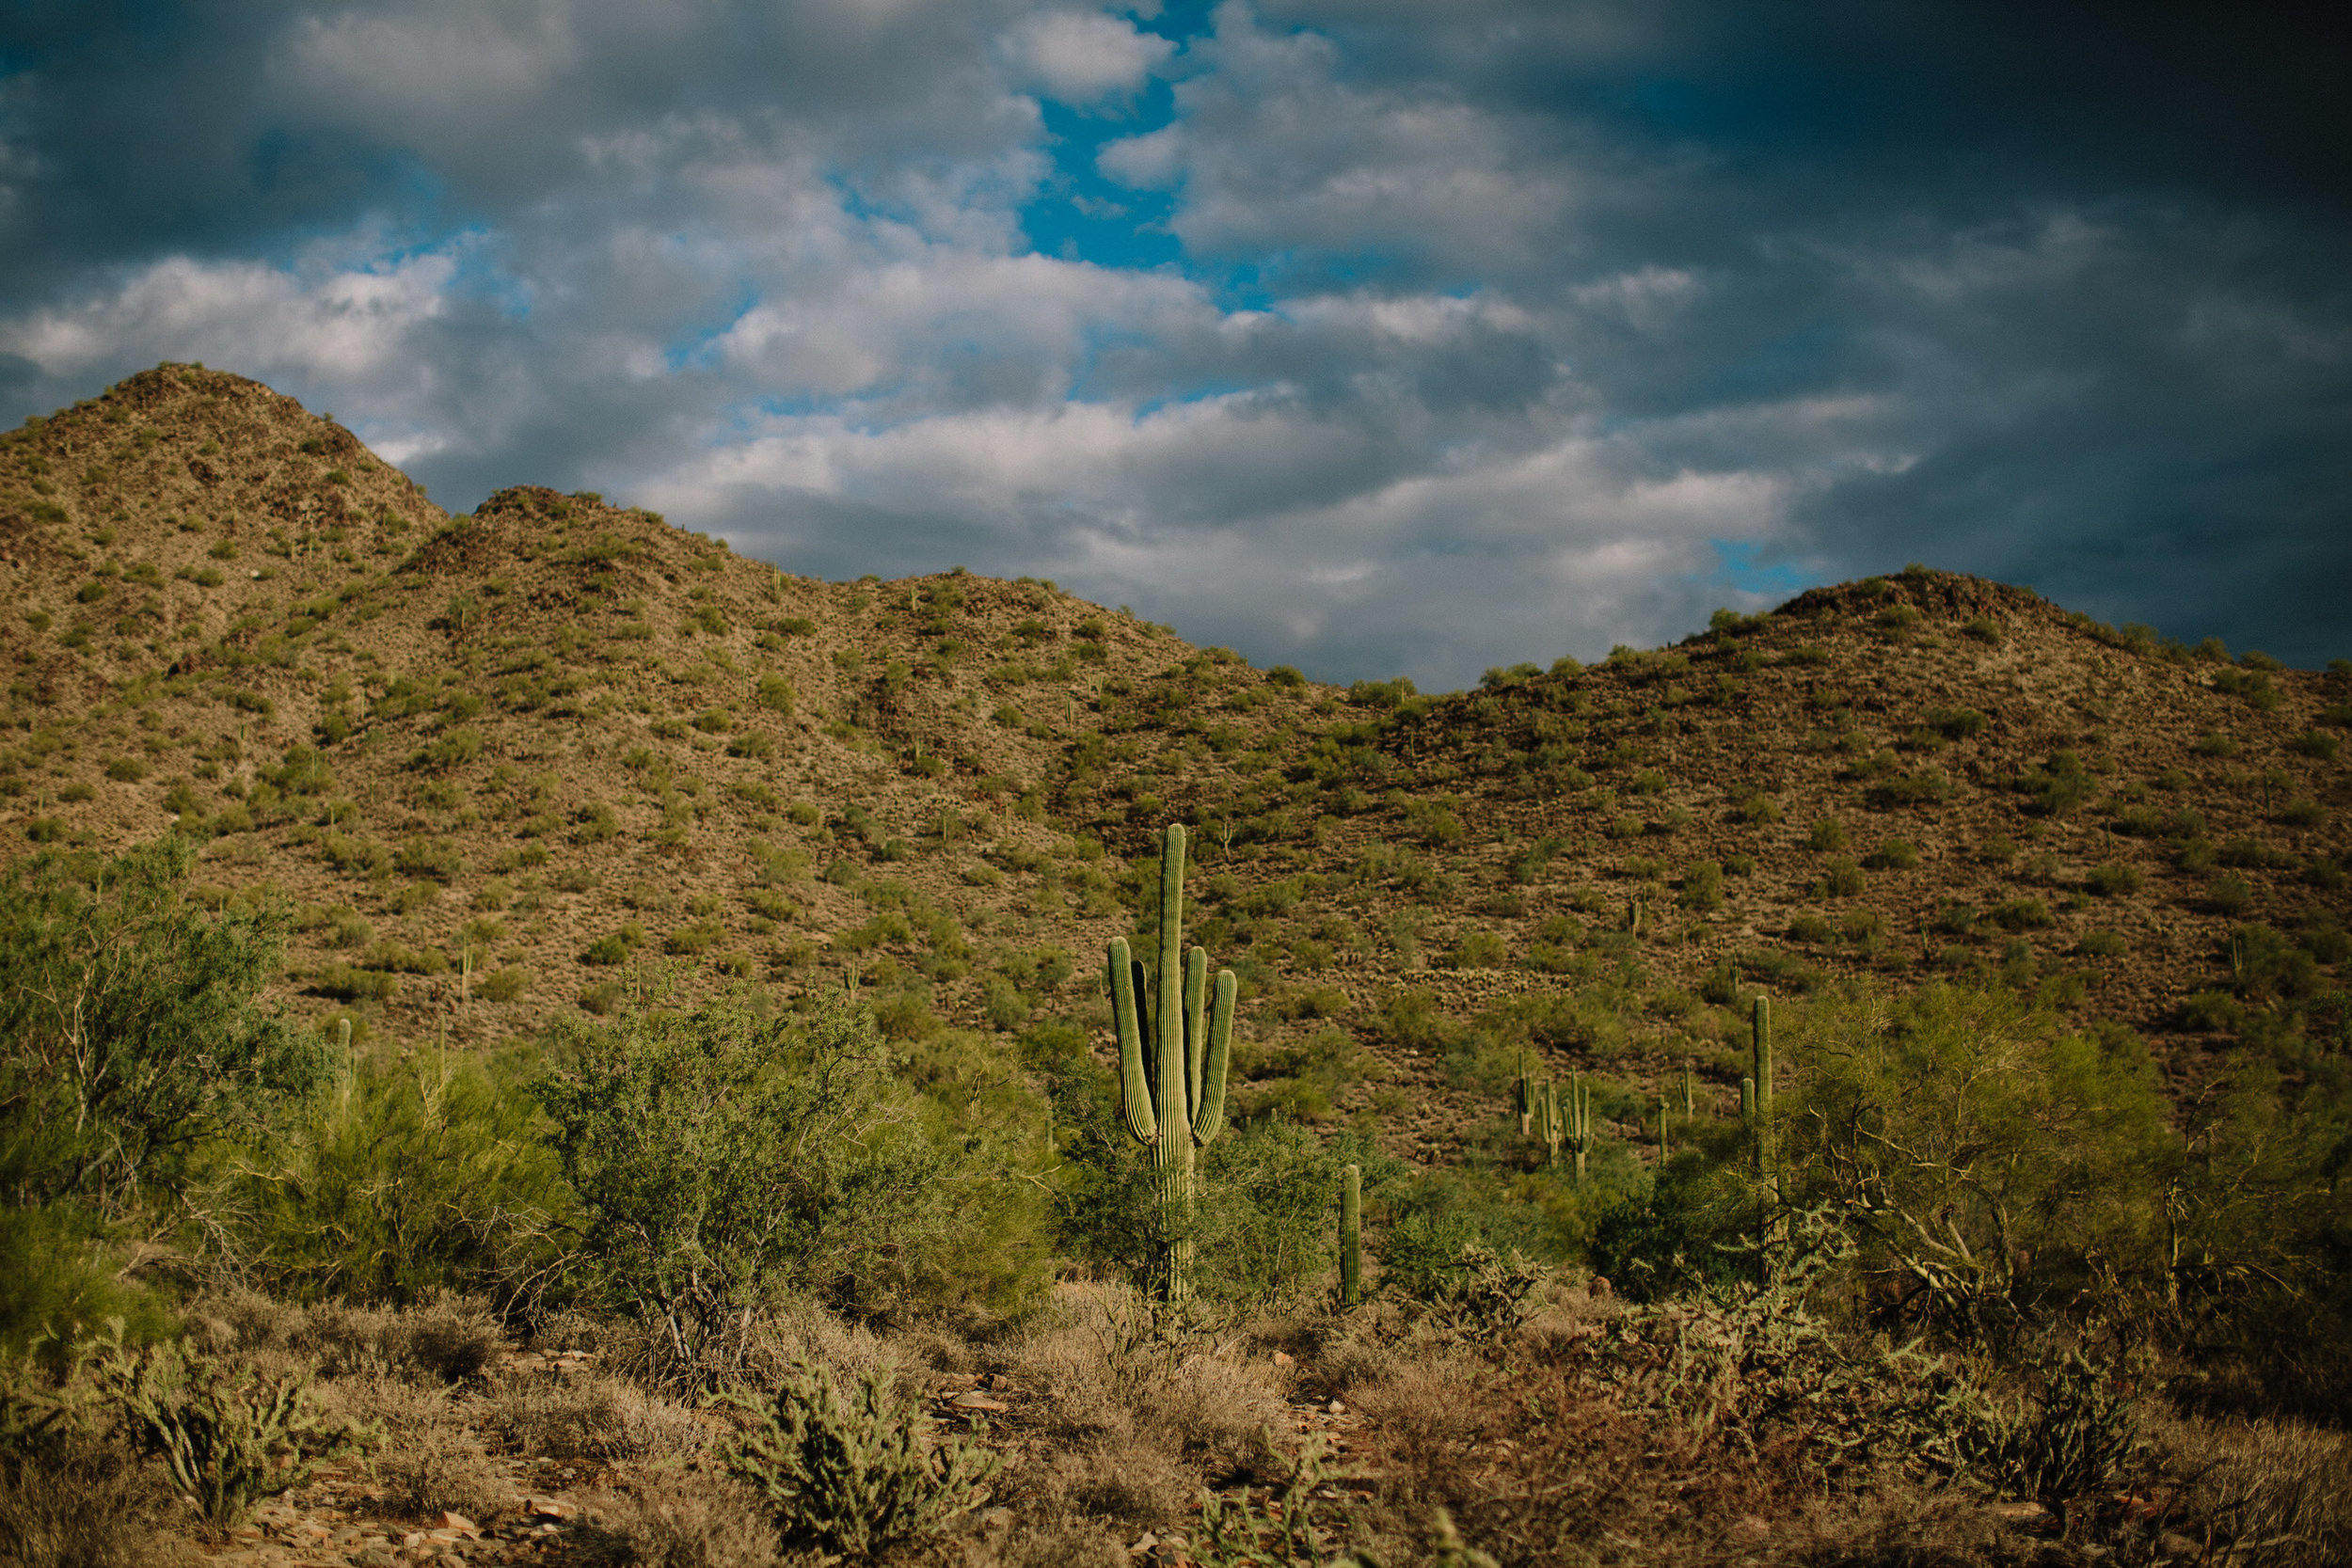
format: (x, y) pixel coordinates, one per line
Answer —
(131, 1029)
(1174, 1103)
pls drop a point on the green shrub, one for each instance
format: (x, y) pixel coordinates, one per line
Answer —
(1896, 854)
(2020, 914)
(722, 1157)
(2060, 784)
(503, 984)
(427, 1175)
(132, 1032)
(1827, 834)
(61, 1273)
(2108, 881)
(1841, 878)
(429, 856)
(849, 1474)
(2038, 1152)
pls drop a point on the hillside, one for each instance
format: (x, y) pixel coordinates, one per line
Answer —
(498, 764)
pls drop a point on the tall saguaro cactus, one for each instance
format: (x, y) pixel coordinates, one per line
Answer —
(1352, 1236)
(1760, 1094)
(1174, 1102)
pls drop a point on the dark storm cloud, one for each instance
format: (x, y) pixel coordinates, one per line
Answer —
(1496, 331)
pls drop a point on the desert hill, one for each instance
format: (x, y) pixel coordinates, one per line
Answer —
(502, 764)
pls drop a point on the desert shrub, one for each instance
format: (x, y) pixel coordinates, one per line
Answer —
(1702, 887)
(423, 1178)
(2020, 914)
(591, 1415)
(1827, 834)
(2035, 1149)
(1477, 948)
(852, 1471)
(2058, 785)
(721, 1156)
(1896, 854)
(503, 984)
(131, 1028)
(1841, 878)
(424, 857)
(2108, 881)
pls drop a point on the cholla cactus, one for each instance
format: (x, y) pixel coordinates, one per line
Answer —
(1174, 1104)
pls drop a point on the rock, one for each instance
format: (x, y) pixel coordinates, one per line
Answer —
(460, 1522)
(371, 1556)
(2174, 1545)
(1598, 1287)
(998, 1518)
(548, 1508)
(1336, 1408)
(978, 1402)
(1284, 1358)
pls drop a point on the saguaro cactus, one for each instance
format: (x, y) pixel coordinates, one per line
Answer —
(1566, 1124)
(1174, 1104)
(1523, 1097)
(1352, 1236)
(1760, 1095)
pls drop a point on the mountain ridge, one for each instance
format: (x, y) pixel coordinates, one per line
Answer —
(495, 761)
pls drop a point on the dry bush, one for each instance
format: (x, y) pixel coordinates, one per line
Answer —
(1060, 1544)
(1350, 1363)
(446, 1337)
(1214, 1409)
(693, 1521)
(455, 1337)
(440, 1464)
(84, 1502)
(1136, 1486)
(591, 1415)
(2274, 1491)
(1065, 1357)
(1422, 1408)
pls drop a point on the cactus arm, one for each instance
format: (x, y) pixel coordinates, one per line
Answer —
(1208, 1118)
(1196, 1042)
(1134, 1087)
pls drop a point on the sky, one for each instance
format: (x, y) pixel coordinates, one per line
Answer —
(1374, 337)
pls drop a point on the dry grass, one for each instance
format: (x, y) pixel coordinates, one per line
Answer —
(591, 1415)
(2275, 1491)
(85, 1503)
(689, 1521)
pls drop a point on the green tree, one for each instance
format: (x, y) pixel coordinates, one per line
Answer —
(131, 1029)
(722, 1157)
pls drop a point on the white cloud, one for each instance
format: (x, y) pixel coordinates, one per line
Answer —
(1082, 57)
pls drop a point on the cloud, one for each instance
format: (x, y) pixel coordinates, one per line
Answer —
(1435, 337)
(1083, 56)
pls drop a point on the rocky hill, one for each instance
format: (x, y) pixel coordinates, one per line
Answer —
(508, 762)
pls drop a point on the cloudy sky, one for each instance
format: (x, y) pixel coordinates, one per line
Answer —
(1372, 336)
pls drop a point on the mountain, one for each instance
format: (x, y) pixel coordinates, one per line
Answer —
(496, 763)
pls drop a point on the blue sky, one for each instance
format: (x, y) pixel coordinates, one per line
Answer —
(1372, 337)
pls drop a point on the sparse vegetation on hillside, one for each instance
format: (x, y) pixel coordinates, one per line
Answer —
(527, 970)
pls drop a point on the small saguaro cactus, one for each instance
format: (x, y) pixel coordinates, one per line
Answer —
(1523, 1097)
(1174, 1103)
(1352, 1236)
(1566, 1124)
(1663, 1148)
(1760, 1095)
